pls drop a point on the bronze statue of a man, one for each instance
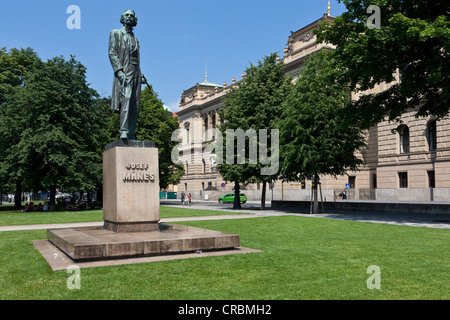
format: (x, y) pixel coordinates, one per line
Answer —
(125, 61)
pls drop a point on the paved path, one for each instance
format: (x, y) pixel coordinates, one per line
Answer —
(100, 223)
(251, 210)
(441, 221)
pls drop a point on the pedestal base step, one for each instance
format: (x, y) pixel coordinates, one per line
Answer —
(97, 243)
(131, 227)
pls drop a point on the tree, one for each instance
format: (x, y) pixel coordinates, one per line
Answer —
(14, 68)
(254, 105)
(413, 41)
(55, 126)
(314, 140)
(156, 124)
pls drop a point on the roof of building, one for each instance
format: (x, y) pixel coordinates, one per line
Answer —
(210, 84)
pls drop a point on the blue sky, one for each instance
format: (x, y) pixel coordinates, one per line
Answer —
(176, 36)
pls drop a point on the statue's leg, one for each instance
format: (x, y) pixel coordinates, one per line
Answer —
(132, 97)
(124, 113)
(133, 112)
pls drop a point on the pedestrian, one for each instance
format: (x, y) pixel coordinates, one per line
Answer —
(28, 207)
(183, 195)
(190, 198)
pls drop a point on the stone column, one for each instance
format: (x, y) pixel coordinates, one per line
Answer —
(131, 187)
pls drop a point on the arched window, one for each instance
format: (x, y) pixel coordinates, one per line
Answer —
(404, 139)
(432, 141)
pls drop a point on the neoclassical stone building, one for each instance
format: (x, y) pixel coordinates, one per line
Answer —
(406, 163)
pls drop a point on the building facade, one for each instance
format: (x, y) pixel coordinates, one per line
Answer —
(410, 162)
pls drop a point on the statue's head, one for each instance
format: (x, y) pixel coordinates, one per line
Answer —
(129, 17)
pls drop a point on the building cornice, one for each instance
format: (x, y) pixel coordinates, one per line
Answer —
(309, 26)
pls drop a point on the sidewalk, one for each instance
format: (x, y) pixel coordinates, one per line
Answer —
(100, 223)
(440, 221)
(252, 210)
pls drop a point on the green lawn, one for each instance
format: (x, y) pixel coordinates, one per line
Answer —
(302, 258)
(16, 217)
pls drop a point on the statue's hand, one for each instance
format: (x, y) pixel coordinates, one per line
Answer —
(121, 76)
(144, 80)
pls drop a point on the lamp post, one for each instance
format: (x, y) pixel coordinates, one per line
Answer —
(271, 186)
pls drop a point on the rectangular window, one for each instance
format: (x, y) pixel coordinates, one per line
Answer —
(432, 136)
(431, 179)
(403, 179)
(352, 181)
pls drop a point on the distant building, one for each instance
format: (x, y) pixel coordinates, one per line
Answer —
(406, 163)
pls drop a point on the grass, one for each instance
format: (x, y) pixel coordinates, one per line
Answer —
(302, 258)
(17, 217)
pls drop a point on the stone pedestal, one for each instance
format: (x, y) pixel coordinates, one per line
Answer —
(131, 188)
(96, 243)
(131, 214)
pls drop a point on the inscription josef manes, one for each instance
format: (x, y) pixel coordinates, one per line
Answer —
(137, 172)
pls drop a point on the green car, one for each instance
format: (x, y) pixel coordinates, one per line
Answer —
(229, 198)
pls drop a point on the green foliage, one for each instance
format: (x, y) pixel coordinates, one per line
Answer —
(112, 130)
(14, 66)
(52, 129)
(313, 138)
(156, 124)
(414, 40)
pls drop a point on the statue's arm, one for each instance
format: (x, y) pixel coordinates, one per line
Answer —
(113, 50)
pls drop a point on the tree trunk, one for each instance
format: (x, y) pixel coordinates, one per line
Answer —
(263, 196)
(18, 195)
(100, 194)
(52, 204)
(316, 202)
(237, 198)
